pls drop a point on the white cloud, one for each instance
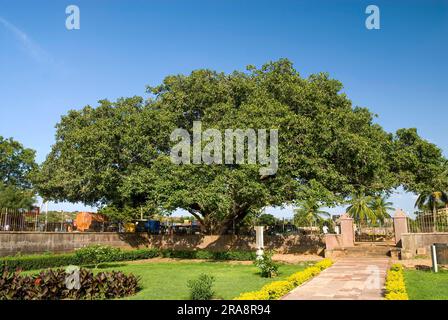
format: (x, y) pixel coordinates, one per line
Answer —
(28, 45)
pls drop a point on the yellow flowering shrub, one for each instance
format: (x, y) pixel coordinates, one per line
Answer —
(276, 290)
(397, 296)
(254, 295)
(324, 264)
(395, 284)
(300, 277)
(393, 279)
(396, 267)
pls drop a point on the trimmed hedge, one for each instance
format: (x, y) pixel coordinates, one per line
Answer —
(277, 289)
(139, 254)
(34, 262)
(395, 284)
(209, 255)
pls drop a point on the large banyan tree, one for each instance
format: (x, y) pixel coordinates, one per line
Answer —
(117, 155)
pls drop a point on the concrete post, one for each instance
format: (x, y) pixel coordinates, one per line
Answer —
(347, 231)
(400, 225)
(260, 240)
(435, 266)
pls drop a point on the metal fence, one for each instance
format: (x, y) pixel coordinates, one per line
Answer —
(427, 222)
(19, 220)
(31, 220)
(379, 231)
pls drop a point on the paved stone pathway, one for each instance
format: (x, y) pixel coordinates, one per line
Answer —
(354, 278)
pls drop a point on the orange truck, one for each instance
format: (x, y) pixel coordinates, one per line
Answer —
(85, 221)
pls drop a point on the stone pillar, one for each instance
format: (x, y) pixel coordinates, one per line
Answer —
(400, 225)
(259, 240)
(333, 242)
(347, 232)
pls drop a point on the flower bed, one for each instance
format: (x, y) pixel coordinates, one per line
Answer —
(52, 285)
(278, 289)
(395, 284)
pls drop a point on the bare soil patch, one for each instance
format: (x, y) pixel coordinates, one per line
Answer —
(296, 258)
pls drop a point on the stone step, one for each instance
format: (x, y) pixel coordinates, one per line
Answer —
(366, 254)
(375, 244)
(369, 249)
(365, 251)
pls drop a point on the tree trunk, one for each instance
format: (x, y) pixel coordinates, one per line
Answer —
(239, 212)
(225, 226)
(231, 220)
(202, 221)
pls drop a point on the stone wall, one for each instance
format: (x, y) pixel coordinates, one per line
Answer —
(12, 243)
(413, 244)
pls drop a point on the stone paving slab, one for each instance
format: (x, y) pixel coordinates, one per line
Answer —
(356, 278)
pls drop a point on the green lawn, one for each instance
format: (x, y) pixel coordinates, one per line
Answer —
(426, 285)
(168, 280)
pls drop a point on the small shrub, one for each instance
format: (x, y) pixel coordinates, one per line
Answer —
(97, 254)
(268, 268)
(202, 288)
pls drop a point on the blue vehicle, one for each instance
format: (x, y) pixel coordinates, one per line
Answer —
(149, 226)
(153, 226)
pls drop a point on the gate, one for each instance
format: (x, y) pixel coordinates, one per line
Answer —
(379, 231)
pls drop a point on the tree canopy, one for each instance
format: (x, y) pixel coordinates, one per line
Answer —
(267, 219)
(117, 155)
(17, 166)
(309, 213)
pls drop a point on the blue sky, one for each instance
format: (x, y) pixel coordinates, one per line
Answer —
(399, 72)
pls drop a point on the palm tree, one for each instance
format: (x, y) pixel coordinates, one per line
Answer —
(360, 209)
(309, 213)
(432, 200)
(380, 207)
